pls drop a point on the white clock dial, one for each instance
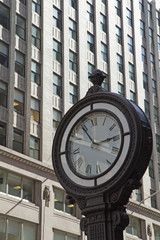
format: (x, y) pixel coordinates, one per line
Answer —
(94, 144)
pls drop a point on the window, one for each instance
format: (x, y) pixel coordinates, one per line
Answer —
(57, 18)
(20, 63)
(61, 203)
(129, 17)
(36, 37)
(103, 23)
(90, 12)
(151, 169)
(104, 51)
(57, 116)
(3, 94)
(133, 96)
(156, 115)
(119, 35)
(146, 109)
(57, 85)
(149, 11)
(159, 171)
(20, 27)
(121, 89)
(73, 29)
(151, 36)
(18, 140)
(158, 18)
(90, 70)
(105, 83)
(118, 7)
(13, 229)
(130, 44)
(131, 72)
(103, 1)
(35, 110)
(4, 16)
(156, 232)
(4, 51)
(73, 4)
(144, 57)
(34, 148)
(158, 143)
(59, 235)
(73, 61)
(152, 61)
(90, 42)
(16, 185)
(57, 51)
(73, 93)
(36, 6)
(153, 198)
(142, 28)
(154, 88)
(35, 72)
(18, 102)
(119, 63)
(141, 5)
(23, 1)
(158, 41)
(138, 194)
(145, 82)
(134, 226)
(2, 134)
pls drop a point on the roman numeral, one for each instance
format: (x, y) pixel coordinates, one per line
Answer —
(88, 168)
(117, 137)
(113, 126)
(108, 162)
(104, 120)
(76, 151)
(79, 162)
(85, 129)
(94, 121)
(115, 150)
(98, 169)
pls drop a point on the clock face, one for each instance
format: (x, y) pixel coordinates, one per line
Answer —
(94, 144)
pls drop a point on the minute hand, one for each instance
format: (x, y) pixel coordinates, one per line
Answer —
(88, 134)
(105, 140)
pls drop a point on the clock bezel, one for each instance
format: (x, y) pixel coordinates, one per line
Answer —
(68, 155)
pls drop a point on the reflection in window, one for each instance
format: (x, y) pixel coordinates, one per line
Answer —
(60, 235)
(57, 85)
(36, 37)
(35, 109)
(57, 116)
(73, 93)
(34, 148)
(20, 63)
(4, 51)
(73, 61)
(18, 102)
(73, 29)
(20, 27)
(156, 232)
(134, 226)
(3, 94)
(4, 16)
(2, 134)
(35, 72)
(36, 6)
(57, 51)
(57, 18)
(18, 140)
(90, 42)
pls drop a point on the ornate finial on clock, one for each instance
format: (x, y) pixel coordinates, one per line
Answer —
(97, 77)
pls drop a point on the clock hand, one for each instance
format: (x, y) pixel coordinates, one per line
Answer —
(85, 130)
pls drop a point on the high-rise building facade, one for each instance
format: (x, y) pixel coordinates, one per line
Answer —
(48, 48)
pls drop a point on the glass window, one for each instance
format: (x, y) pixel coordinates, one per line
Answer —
(2, 134)
(156, 232)
(34, 148)
(18, 140)
(4, 52)
(133, 96)
(153, 198)
(144, 57)
(154, 87)
(138, 194)
(36, 6)
(158, 18)
(20, 63)
(104, 51)
(134, 226)
(142, 28)
(13, 230)
(4, 16)
(23, 1)
(57, 85)
(28, 189)
(18, 102)
(36, 37)
(57, 116)
(151, 169)
(90, 12)
(73, 29)
(121, 89)
(152, 61)
(149, 10)
(59, 235)
(156, 115)
(119, 35)
(105, 83)
(2, 228)
(20, 27)
(146, 109)
(158, 143)
(90, 42)
(57, 51)
(131, 72)
(90, 70)
(61, 203)
(130, 44)
(158, 41)
(103, 23)
(151, 36)
(73, 93)
(141, 5)
(119, 63)
(73, 4)
(118, 7)
(3, 179)
(35, 72)
(145, 81)
(129, 17)
(14, 185)
(3, 94)
(57, 18)
(29, 232)
(73, 61)
(35, 109)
